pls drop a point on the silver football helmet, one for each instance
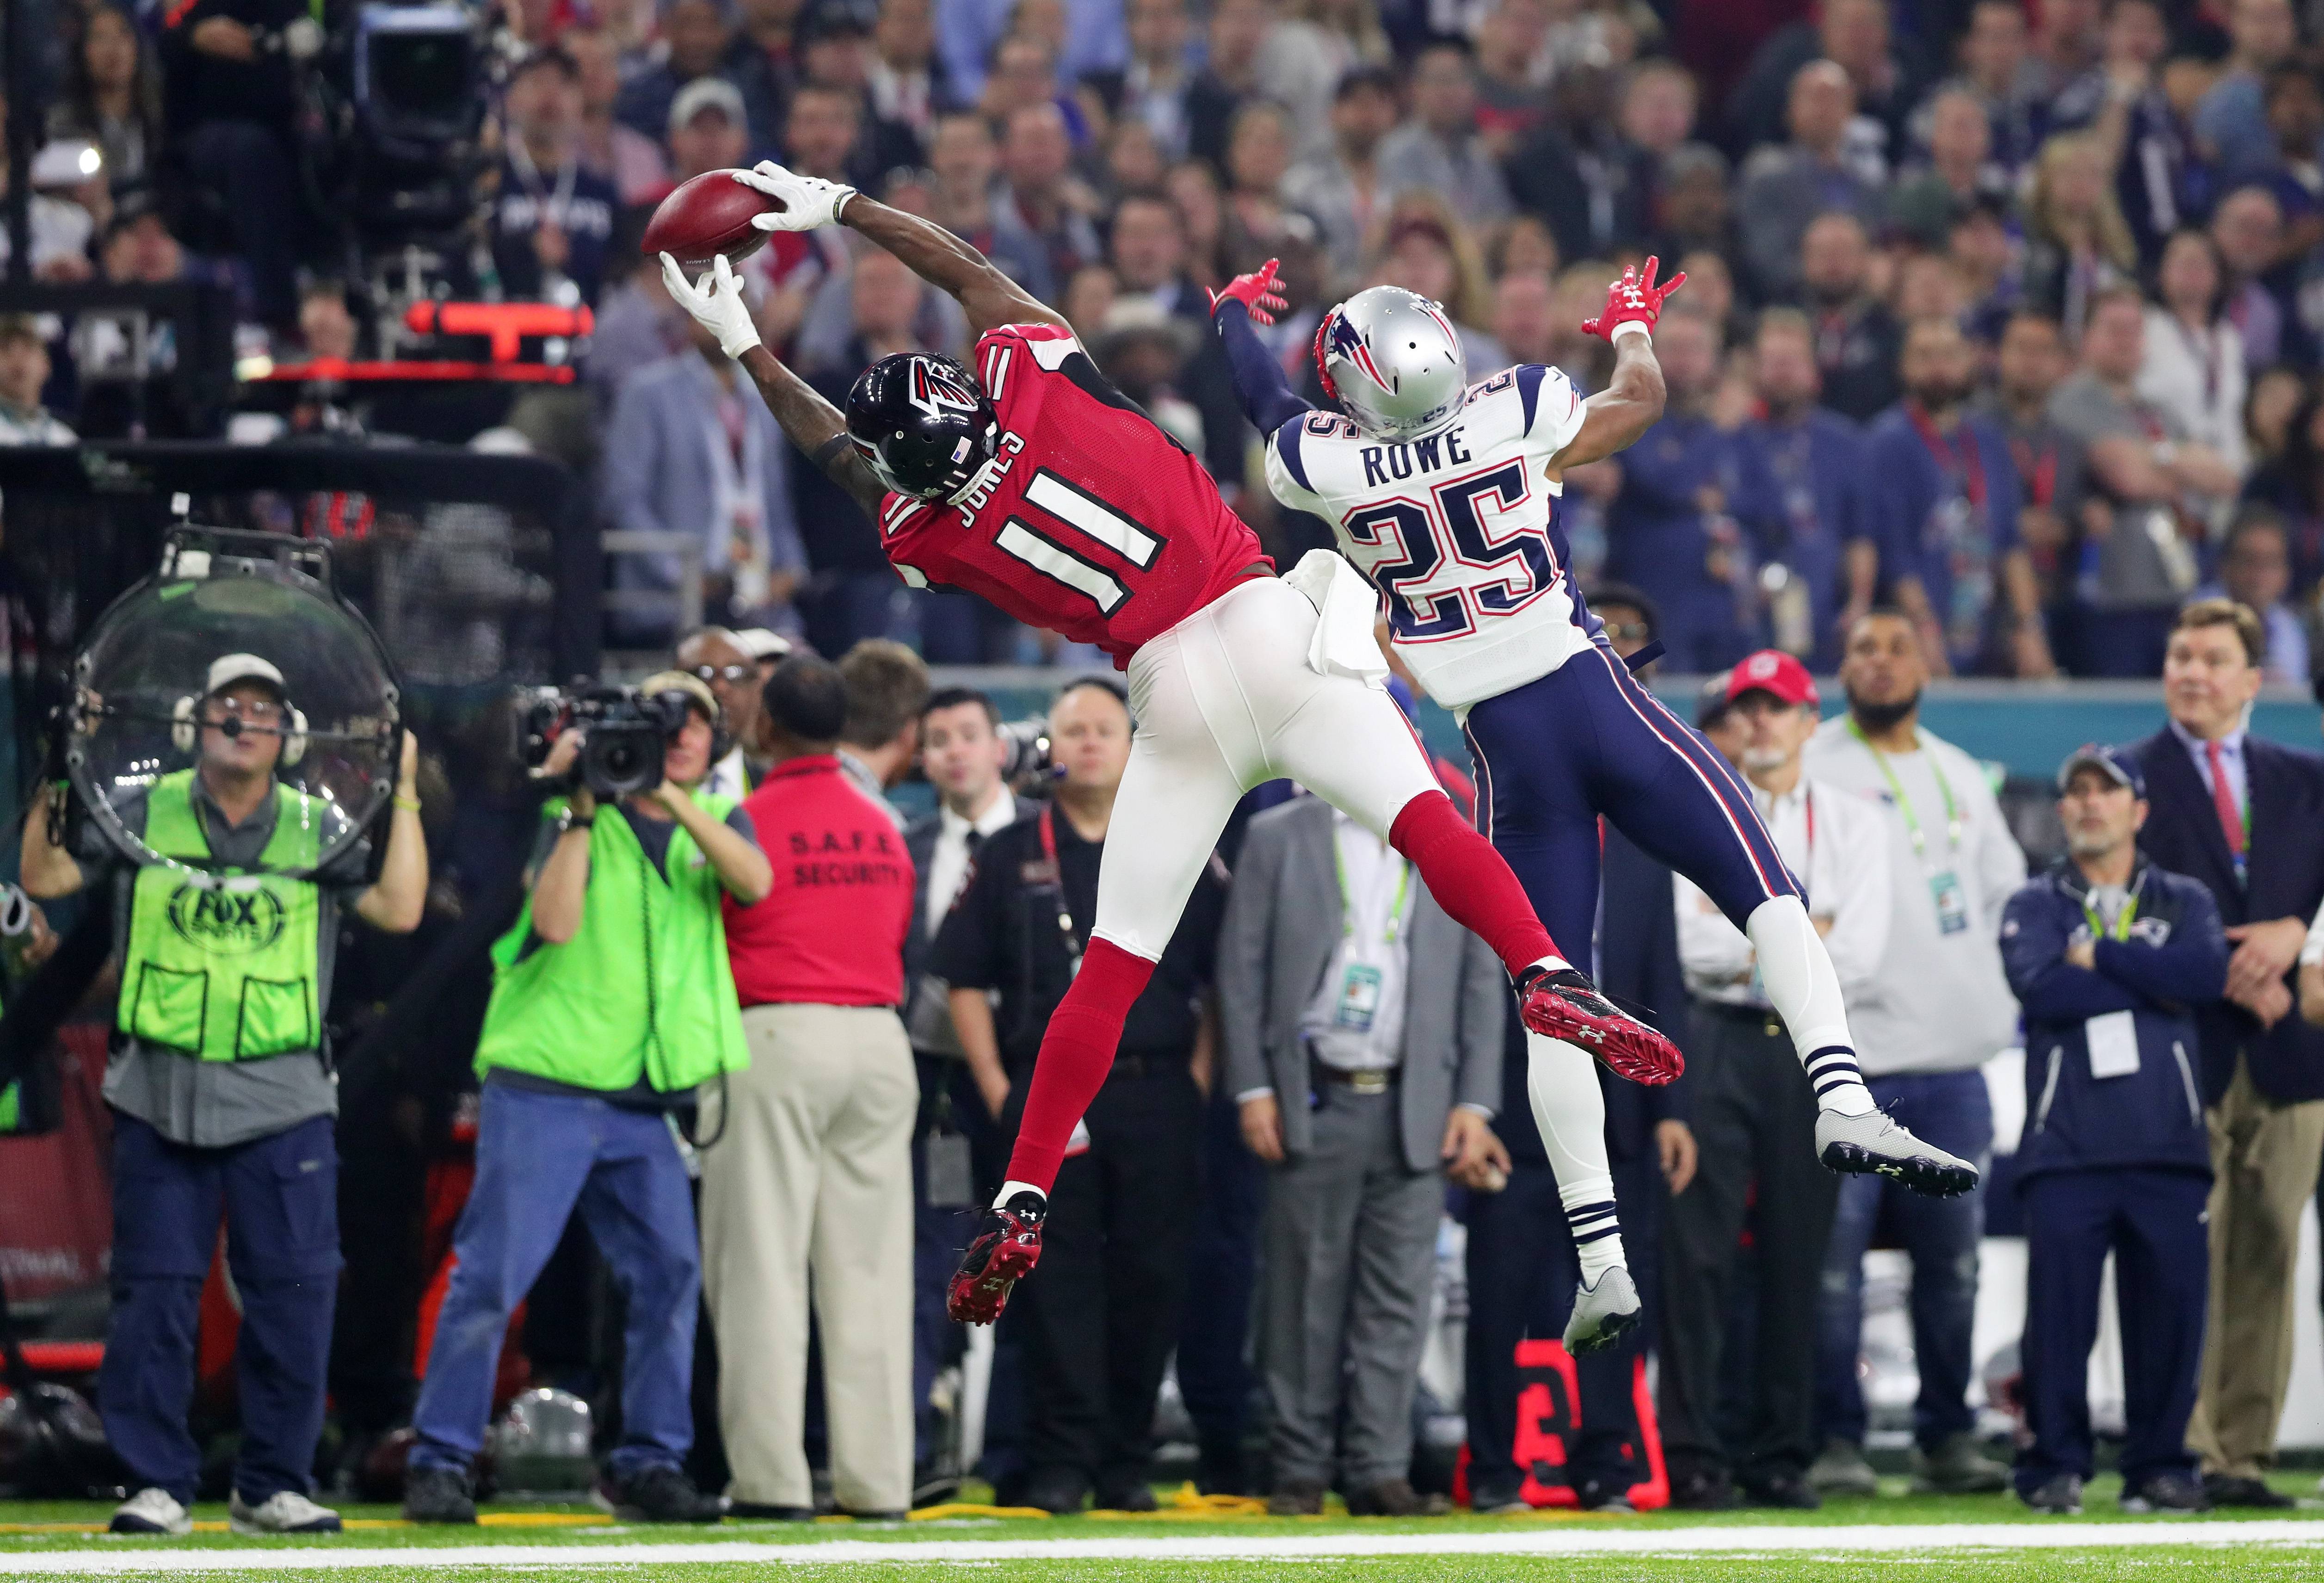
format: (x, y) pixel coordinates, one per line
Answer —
(1391, 358)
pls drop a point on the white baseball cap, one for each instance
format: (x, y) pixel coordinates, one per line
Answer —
(761, 643)
(229, 669)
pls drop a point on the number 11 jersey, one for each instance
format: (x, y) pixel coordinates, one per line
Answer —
(1090, 521)
(1457, 528)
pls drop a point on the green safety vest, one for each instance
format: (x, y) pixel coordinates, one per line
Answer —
(225, 965)
(643, 988)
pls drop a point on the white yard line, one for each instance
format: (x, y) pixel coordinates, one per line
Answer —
(144, 1556)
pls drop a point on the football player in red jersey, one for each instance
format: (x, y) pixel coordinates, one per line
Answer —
(1036, 484)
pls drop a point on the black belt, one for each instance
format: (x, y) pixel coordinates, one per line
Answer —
(1761, 1020)
(1131, 1063)
(1369, 1080)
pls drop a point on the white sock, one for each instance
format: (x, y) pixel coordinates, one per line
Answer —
(1570, 1109)
(1009, 1190)
(1797, 971)
(1553, 964)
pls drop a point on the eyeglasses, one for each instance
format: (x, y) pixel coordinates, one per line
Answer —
(725, 672)
(256, 708)
(1629, 630)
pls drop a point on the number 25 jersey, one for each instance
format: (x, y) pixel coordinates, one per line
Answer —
(1457, 528)
(1090, 521)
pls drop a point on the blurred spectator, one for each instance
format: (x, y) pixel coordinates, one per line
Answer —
(835, 52)
(2192, 365)
(637, 323)
(1149, 250)
(1786, 188)
(1979, 247)
(1151, 90)
(2249, 230)
(635, 162)
(2232, 118)
(1692, 206)
(692, 450)
(1999, 71)
(1237, 33)
(715, 657)
(1098, 1327)
(1857, 339)
(113, 96)
(2294, 485)
(963, 160)
(2152, 475)
(710, 131)
(1883, 73)
(1195, 186)
(2240, 814)
(1755, 1117)
(887, 689)
(61, 230)
(1957, 173)
(1040, 191)
(906, 83)
(1341, 188)
(2077, 242)
(1934, 1011)
(23, 373)
(809, 1185)
(1511, 100)
(1259, 156)
(2159, 180)
(2065, 43)
(761, 59)
(1430, 251)
(2055, 512)
(1141, 350)
(1025, 72)
(2275, 395)
(1092, 38)
(2255, 572)
(1312, 46)
(2109, 955)
(2295, 174)
(1438, 150)
(1364, 1046)
(1828, 544)
(695, 33)
(1695, 506)
(1945, 485)
(552, 215)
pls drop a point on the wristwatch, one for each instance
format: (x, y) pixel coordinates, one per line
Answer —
(570, 821)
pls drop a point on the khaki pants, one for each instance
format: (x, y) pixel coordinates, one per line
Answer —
(812, 1182)
(2264, 1156)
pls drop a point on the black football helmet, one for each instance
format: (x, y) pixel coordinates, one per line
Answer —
(923, 423)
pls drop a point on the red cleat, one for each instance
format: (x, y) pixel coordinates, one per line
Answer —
(1565, 1005)
(1006, 1247)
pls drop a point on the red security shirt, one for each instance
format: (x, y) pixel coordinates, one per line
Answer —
(832, 930)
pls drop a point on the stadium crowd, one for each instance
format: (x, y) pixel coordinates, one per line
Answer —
(2001, 353)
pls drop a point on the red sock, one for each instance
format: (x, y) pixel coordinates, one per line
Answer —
(1076, 1052)
(1471, 881)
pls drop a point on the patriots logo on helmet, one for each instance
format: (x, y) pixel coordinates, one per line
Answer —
(937, 390)
(1348, 342)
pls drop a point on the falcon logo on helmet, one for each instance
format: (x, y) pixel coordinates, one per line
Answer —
(922, 424)
(1393, 360)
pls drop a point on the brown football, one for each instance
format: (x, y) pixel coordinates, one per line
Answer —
(707, 215)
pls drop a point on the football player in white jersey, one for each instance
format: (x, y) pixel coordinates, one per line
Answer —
(1446, 495)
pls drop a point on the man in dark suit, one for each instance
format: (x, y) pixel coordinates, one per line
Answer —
(2246, 818)
(955, 1147)
(1522, 1267)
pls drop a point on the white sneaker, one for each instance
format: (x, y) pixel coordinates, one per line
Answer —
(152, 1511)
(283, 1512)
(1603, 1313)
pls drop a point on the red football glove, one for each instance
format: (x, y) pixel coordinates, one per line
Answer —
(1256, 291)
(1634, 298)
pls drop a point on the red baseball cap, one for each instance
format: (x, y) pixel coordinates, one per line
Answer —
(1777, 673)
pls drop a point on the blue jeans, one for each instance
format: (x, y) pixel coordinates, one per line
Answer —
(537, 1156)
(281, 1199)
(1952, 1111)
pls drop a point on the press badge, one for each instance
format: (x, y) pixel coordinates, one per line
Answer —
(2113, 1044)
(1359, 998)
(950, 1186)
(1952, 902)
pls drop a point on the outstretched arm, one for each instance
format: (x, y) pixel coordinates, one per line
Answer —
(1267, 397)
(934, 254)
(1632, 401)
(813, 425)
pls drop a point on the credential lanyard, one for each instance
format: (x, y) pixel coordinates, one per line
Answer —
(1904, 803)
(1064, 916)
(2121, 930)
(1347, 902)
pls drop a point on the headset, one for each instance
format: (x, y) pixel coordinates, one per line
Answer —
(184, 732)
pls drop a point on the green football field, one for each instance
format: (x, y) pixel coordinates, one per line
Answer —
(1931, 1539)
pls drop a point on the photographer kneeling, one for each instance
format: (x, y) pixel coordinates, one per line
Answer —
(612, 1000)
(220, 1093)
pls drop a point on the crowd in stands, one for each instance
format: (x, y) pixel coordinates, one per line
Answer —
(2006, 311)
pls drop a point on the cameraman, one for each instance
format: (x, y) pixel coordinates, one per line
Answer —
(612, 1002)
(221, 1094)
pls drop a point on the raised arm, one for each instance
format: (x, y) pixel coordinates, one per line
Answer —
(934, 254)
(1632, 401)
(813, 425)
(1267, 397)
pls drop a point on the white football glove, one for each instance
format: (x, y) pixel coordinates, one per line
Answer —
(809, 202)
(716, 304)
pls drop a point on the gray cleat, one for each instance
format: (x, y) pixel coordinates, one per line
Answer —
(1874, 1144)
(1602, 1314)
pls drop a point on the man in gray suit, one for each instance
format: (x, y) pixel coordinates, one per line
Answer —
(1363, 1042)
